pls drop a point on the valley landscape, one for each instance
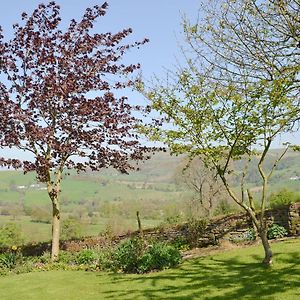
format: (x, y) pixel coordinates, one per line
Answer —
(108, 201)
(150, 177)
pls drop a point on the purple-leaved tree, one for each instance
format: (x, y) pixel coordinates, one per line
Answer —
(46, 107)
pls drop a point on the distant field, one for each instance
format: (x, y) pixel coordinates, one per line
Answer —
(155, 180)
(16, 187)
(235, 274)
(103, 198)
(41, 232)
(110, 200)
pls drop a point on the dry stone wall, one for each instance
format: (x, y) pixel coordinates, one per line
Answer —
(294, 219)
(229, 227)
(199, 235)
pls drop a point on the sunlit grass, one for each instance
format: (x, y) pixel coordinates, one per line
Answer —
(235, 274)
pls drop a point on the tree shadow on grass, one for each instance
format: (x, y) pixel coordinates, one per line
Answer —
(215, 278)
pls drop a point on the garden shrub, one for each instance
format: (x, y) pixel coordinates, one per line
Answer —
(10, 235)
(106, 259)
(46, 257)
(283, 197)
(86, 257)
(71, 229)
(8, 260)
(137, 256)
(158, 256)
(276, 231)
(180, 243)
(131, 256)
(127, 255)
(66, 257)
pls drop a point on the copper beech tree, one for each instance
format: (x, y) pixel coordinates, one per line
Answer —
(47, 107)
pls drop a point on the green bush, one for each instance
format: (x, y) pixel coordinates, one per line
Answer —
(46, 257)
(86, 257)
(180, 243)
(10, 235)
(223, 208)
(64, 257)
(283, 197)
(71, 229)
(8, 260)
(136, 256)
(11, 259)
(276, 231)
(159, 256)
(131, 256)
(106, 260)
(127, 255)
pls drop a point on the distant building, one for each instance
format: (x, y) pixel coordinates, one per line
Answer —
(295, 178)
(21, 187)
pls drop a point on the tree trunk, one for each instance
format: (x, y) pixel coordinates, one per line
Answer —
(55, 229)
(268, 252)
(262, 230)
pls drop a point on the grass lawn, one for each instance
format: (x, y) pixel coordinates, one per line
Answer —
(234, 274)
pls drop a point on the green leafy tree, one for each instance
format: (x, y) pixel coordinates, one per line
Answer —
(238, 91)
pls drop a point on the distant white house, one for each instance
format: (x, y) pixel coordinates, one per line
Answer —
(21, 187)
(33, 186)
(295, 178)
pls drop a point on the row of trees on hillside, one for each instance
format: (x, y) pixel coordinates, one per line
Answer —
(238, 91)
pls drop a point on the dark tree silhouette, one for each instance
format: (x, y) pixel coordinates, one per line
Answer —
(46, 105)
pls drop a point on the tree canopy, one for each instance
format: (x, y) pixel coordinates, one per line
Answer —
(60, 98)
(237, 92)
(45, 102)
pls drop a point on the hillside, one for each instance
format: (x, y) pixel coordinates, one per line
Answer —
(154, 181)
(108, 200)
(286, 174)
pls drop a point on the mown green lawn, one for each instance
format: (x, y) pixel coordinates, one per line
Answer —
(234, 274)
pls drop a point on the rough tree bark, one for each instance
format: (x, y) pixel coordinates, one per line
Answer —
(54, 189)
(268, 252)
(55, 229)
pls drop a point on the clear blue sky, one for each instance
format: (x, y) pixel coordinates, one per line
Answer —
(158, 20)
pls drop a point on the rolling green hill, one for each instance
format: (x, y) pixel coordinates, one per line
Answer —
(109, 200)
(154, 182)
